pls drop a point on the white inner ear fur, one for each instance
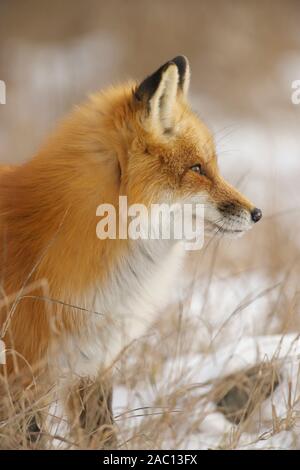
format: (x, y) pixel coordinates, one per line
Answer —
(163, 101)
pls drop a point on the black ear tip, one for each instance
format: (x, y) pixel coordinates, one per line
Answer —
(180, 61)
(182, 64)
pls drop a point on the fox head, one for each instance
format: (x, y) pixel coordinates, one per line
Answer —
(172, 158)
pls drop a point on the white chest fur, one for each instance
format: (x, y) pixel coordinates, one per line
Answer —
(138, 288)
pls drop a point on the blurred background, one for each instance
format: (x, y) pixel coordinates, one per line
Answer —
(244, 56)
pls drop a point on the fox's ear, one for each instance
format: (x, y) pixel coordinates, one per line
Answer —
(159, 91)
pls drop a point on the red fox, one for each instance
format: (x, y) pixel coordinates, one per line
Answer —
(72, 302)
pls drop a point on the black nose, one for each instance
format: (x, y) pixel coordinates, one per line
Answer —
(256, 214)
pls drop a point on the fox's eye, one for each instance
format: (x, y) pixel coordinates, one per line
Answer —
(198, 169)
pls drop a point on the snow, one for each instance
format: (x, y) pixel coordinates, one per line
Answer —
(204, 369)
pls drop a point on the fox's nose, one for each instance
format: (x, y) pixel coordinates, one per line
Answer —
(256, 214)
